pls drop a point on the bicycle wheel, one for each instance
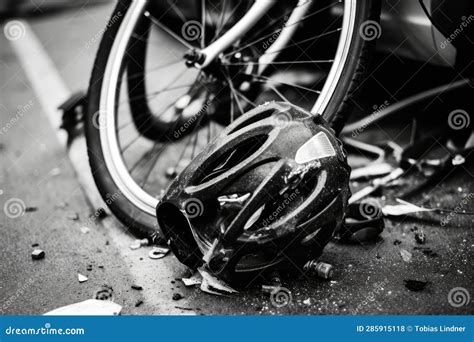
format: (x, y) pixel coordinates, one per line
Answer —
(149, 113)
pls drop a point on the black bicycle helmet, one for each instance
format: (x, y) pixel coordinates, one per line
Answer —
(272, 188)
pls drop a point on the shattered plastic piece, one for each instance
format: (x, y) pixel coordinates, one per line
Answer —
(196, 279)
(406, 256)
(458, 160)
(135, 245)
(322, 269)
(85, 230)
(90, 307)
(372, 170)
(420, 238)
(307, 301)
(137, 287)
(403, 209)
(415, 285)
(31, 209)
(212, 285)
(138, 303)
(37, 254)
(158, 252)
(82, 278)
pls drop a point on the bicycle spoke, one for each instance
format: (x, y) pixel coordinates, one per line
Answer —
(285, 62)
(203, 24)
(267, 79)
(167, 30)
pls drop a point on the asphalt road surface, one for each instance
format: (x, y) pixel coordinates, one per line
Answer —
(59, 196)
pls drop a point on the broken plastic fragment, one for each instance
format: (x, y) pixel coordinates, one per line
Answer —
(85, 230)
(90, 307)
(196, 279)
(82, 278)
(212, 285)
(158, 252)
(403, 208)
(406, 256)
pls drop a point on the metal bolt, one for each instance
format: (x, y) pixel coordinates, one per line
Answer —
(322, 269)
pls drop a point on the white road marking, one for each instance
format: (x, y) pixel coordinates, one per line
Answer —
(51, 91)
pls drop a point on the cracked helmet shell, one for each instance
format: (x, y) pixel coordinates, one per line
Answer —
(271, 189)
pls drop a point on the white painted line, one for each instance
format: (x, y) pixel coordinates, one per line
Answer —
(51, 91)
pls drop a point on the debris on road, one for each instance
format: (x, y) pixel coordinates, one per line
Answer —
(212, 285)
(307, 301)
(158, 252)
(415, 285)
(138, 303)
(31, 209)
(85, 230)
(105, 292)
(321, 269)
(82, 278)
(406, 256)
(37, 254)
(196, 279)
(177, 296)
(139, 243)
(137, 287)
(89, 307)
(420, 237)
(404, 208)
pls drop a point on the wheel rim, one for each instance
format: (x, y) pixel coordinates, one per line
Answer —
(110, 144)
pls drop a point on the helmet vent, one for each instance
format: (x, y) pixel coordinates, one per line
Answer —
(317, 147)
(233, 158)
